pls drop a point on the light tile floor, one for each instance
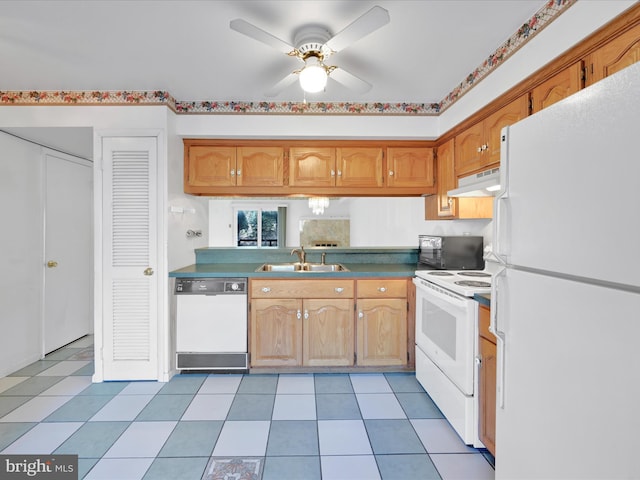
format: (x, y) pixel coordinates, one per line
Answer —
(295, 426)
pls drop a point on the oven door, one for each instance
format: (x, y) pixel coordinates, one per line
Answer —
(446, 332)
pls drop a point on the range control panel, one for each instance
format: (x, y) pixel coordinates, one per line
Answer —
(211, 286)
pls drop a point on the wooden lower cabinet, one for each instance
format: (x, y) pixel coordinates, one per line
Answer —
(302, 323)
(327, 338)
(381, 327)
(317, 323)
(276, 332)
(487, 382)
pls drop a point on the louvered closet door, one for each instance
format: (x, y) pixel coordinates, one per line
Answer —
(130, 322)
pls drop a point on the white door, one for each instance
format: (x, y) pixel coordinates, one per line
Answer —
(130, 291)
(68, 249)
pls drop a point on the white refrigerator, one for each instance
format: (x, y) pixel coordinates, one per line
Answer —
(566, 295)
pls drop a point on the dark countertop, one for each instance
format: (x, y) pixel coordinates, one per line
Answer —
(248, 270)
(483, 299)
(243, 262)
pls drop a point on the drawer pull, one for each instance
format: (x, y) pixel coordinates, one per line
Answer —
(306, 314)
(382, 289)
(339, 289)
(360, 314)
(266, 289)
(298, 314)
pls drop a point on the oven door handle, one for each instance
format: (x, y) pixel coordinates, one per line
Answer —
(500, 336)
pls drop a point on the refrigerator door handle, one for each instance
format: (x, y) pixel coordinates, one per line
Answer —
(498, 255)
(500, 336)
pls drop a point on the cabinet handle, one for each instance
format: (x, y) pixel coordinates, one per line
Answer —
(339, 289)
(478, 361)
(148, 271)
(339, 173)
(391, 173)
(298, 314)
(360, 314)
(480, 149)
(333, 173)
(382, 289)
(52, 264)
(266, 289)
(306, 314)
(232, 172)
(238, 172)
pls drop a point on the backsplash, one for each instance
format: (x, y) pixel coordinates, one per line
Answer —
(325, 232)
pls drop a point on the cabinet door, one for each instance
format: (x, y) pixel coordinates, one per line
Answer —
(211, 166)
(468, 149)
(410, 167)
(446, 180)
(558, 87)
(617, 54)
(312, 166)
(493, 125)
(382, 331)
(487, 381)
(328, 332)
(260, 166)
(276, 332)
(487, 394)
(359, 167)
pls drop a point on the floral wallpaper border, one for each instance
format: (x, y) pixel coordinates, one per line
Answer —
(549, 12)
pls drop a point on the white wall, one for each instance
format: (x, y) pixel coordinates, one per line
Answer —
(22, 259)
(375, 221)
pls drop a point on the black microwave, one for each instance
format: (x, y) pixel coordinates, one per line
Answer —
(463, 252)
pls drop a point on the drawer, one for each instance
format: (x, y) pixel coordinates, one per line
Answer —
(484, 318)
(337, 288)
(382, 288)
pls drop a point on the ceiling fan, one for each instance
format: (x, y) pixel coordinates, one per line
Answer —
(313, 44)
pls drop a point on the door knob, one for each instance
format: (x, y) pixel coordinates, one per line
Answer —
(52, 264)
(148, 271)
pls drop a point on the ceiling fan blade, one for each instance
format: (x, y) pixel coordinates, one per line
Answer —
(350, 81)
(246, 28)
(359, 28)
(281, 85)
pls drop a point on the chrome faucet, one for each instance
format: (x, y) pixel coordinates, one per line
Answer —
(302, 255)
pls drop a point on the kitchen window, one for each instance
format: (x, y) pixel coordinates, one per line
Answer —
(259, 226)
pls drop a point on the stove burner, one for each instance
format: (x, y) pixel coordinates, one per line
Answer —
(441, 274)
(474, 274)
(472, 283)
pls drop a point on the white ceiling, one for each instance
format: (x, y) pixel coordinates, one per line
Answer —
(188, 49)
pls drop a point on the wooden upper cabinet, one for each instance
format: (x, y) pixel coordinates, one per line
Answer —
(469, 149)
(210, 166)
(312, 166)
(615, 55)
(259, 166)
(478, 147)
(446, 206)
(359, 167)
(410, 167)
(560, 86)
(493, 125)
(230, 165)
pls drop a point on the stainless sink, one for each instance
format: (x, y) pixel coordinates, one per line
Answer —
(302, 267)
(323, 267)
(280, 267)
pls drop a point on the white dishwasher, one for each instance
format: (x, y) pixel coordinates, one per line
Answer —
(211, 323)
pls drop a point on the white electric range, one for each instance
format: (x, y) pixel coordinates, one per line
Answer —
(447, 343)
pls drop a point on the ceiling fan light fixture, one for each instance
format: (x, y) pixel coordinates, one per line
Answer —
(313, 77)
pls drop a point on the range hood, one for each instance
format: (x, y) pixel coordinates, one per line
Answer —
(483, 184)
